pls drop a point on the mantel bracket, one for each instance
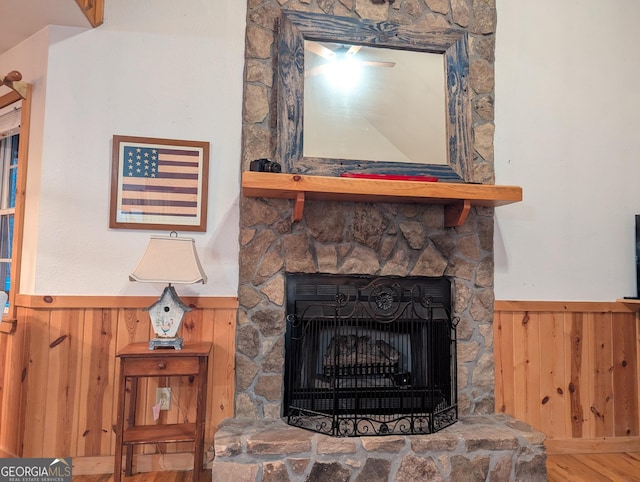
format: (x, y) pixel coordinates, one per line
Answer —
(455, 213)
(298, 207)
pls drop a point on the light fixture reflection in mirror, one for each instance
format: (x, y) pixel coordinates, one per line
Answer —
(343, 75)
(376, 104)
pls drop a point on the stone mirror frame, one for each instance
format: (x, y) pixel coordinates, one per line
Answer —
(297, 27)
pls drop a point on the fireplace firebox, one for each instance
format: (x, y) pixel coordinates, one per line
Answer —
(369, 355)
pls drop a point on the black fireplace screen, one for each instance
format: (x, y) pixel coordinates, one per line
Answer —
(369, 355)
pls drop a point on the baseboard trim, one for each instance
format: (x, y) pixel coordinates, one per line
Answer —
(602, 445)
(141, 463)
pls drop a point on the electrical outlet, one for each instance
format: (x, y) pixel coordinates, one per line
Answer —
(163, 397)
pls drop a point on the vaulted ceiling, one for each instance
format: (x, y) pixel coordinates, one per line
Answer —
(20, 19)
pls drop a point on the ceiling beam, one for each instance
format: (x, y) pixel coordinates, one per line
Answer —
(93, 10)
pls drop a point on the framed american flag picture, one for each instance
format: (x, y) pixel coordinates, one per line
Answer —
(159, 184)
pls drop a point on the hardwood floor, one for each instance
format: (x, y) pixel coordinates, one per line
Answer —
(560, 468)
(146, 477)
(594, 467)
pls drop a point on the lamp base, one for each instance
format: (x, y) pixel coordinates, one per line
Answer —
(176, 343)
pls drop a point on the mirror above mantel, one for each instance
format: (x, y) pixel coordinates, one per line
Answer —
(409, 115)
(373, 104)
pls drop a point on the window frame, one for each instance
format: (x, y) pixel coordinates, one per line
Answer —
(13, 97)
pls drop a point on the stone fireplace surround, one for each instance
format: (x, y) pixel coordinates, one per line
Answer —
(359, 238)
(363, 238)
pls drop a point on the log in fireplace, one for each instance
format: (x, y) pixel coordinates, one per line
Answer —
(369, 355)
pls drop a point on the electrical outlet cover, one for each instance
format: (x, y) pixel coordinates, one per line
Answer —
(163, 397)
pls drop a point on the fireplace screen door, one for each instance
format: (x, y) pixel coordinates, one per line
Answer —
(369, 355)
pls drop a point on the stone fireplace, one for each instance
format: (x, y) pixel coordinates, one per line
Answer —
(402, 240)
(372, 239)
(381, 239)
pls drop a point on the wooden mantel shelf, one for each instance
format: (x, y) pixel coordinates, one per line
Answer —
(457, 198)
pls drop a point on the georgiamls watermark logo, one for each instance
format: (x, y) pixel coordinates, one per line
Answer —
(35, 470)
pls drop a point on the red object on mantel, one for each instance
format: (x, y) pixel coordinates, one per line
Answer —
(389, 177)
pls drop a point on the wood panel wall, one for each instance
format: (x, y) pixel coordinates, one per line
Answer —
(571, 371)
(568, 369)
(58, 375)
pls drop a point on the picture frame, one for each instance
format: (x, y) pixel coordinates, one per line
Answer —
(159, 184)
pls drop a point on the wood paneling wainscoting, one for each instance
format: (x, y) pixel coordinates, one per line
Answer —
(570, 369)
(58, 378)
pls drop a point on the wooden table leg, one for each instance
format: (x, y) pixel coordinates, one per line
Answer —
(198, 456)
(133, 399)
(117, 469)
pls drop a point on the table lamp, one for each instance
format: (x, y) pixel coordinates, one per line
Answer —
(173, 260)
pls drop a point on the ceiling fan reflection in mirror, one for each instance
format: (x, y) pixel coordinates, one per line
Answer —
(347, 58)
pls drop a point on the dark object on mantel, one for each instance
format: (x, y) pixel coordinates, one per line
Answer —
(264, 165)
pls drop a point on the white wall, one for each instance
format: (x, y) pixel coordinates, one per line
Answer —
(162, 69)
(567, 130)
(567, 104)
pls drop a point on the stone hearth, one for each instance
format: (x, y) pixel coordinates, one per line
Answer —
(474, 449)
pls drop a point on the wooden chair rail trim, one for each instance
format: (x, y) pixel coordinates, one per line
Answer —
(89, 302)
(566, 306)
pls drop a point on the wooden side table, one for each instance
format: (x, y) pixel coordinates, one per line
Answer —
(137, 361)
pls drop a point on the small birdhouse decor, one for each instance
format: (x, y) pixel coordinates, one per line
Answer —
(166, 316)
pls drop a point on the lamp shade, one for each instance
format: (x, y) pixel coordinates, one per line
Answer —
(169, 259)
